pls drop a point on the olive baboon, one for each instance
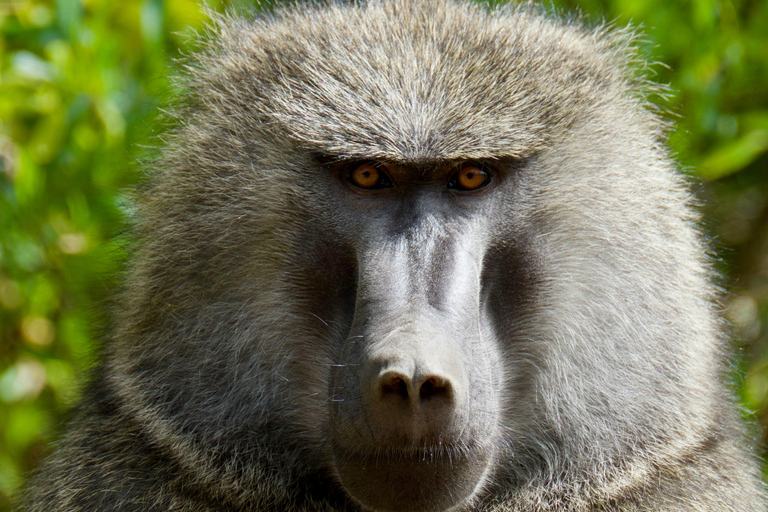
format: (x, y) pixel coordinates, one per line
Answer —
(412, 256)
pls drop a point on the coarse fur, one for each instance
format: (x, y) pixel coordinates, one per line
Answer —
(565, 314)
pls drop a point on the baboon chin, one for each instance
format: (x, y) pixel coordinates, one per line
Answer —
(410, 256)
(416, 481)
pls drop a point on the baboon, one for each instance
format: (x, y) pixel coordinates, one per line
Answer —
(412, 256)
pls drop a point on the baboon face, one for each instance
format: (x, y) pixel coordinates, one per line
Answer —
(414, 396)
(417, 275)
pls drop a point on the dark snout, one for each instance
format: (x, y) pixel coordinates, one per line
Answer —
(414, 402)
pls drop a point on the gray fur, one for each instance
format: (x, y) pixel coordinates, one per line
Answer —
(567, 314)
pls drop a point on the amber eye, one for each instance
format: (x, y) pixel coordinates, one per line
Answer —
(470, 177)
(369, 176)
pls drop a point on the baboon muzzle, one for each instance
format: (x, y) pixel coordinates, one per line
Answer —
(403, 414)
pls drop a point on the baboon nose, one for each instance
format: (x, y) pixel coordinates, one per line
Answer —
(416, 390)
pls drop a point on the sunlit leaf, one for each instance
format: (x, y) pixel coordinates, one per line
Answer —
(735, 156)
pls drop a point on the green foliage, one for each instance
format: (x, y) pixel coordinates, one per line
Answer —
(80, 83)
(80, 86)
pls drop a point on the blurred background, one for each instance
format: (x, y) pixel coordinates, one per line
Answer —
(81, 85)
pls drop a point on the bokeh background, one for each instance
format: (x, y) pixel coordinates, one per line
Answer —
(81, 86)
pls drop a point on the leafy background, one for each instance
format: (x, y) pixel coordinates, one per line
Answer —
(81, 82)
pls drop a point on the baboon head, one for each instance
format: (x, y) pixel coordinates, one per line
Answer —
(421, 252)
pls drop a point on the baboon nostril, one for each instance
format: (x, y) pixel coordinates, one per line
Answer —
(394, 385)
(433, 387)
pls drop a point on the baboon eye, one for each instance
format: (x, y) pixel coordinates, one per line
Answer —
(370, 176)
(469, 177)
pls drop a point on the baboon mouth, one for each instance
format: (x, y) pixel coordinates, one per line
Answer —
(431, 478)
(413, 453)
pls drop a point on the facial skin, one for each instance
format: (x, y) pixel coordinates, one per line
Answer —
(408, 413)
